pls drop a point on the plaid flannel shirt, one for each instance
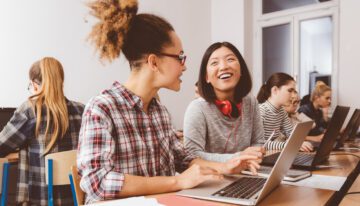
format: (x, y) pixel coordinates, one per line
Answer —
(19, 133)
(117, 137)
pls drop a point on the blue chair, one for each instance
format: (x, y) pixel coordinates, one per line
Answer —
(58, 163)
(4, 176)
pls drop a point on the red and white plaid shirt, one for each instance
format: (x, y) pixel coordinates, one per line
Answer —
(117, 137)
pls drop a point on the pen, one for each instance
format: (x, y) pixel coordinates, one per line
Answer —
(269, 139)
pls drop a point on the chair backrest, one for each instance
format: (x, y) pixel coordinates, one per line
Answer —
(57, 168)
(4, 167)
(61, 163)
(75, 186)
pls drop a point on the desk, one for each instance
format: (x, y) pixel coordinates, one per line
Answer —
(299, 196)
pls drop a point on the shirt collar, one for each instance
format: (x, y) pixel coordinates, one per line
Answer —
(272, 107)
(131, 99)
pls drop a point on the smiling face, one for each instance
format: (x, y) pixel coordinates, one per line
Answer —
(170, 68)
(223, 72)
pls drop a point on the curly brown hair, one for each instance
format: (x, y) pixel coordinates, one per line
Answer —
(121, 29)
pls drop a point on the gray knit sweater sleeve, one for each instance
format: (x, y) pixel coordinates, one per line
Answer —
(258, 129)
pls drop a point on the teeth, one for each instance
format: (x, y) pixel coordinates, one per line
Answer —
(224, 76)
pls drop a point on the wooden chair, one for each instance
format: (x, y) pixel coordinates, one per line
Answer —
(4, 176)
(58, 163)
(78, 194)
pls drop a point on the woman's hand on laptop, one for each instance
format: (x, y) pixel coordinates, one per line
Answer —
(242, 162)
(255, 151)
(196, 175)
(306, 147)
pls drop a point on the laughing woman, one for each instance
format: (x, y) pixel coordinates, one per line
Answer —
(225, 122)
(127, 145)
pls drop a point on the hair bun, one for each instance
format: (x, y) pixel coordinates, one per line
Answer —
(130, 6)
(114, 19)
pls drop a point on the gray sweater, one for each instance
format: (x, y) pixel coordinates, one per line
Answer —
(206, 130)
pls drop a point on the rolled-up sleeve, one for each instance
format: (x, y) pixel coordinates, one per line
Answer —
(95, 151)
(182, 157)
(18, 130)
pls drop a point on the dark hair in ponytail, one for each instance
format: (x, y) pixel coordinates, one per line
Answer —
(275, 80)
(121, 29)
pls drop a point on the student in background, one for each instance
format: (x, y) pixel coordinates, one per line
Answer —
(46, 123)
(225, 121)
(292, 109)
(317, 108)
(273, 96)
(127, 144)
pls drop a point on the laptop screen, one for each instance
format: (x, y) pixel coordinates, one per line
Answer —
(331, 134)
(5, 116)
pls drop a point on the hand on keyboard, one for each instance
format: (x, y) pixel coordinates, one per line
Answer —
(196, 175)
(255, 151)
(239, 163)
(306, 147)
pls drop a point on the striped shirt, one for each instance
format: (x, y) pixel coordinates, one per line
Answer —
(275, 120)
(19, 133)
(117, 137)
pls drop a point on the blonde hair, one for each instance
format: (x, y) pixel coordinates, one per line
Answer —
(50, 74)
(319, 90)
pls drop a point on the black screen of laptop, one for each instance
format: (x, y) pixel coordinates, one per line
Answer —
(331, 134)
(350, 127)
(5, 116)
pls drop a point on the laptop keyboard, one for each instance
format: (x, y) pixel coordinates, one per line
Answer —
(303, 159)
(244, 188)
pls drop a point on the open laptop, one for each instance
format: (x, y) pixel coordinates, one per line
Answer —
(337, 197)
(310, 161)
(249, 190)
(5, 116)
(350, 129)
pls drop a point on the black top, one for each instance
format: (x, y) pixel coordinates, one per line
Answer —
(305, 100)
(317, 116)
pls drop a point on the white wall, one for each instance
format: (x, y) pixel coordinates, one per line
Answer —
(349, 55)
(227, 22)
(33, 29)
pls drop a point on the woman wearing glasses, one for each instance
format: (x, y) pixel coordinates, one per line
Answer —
(48, 122)
(225, 122)
(127, 146)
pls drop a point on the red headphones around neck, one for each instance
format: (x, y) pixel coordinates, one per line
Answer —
(229, 108)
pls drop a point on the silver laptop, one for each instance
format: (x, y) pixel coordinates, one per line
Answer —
(250, 190)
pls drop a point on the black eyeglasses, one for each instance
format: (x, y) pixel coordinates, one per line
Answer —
(181, 57)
